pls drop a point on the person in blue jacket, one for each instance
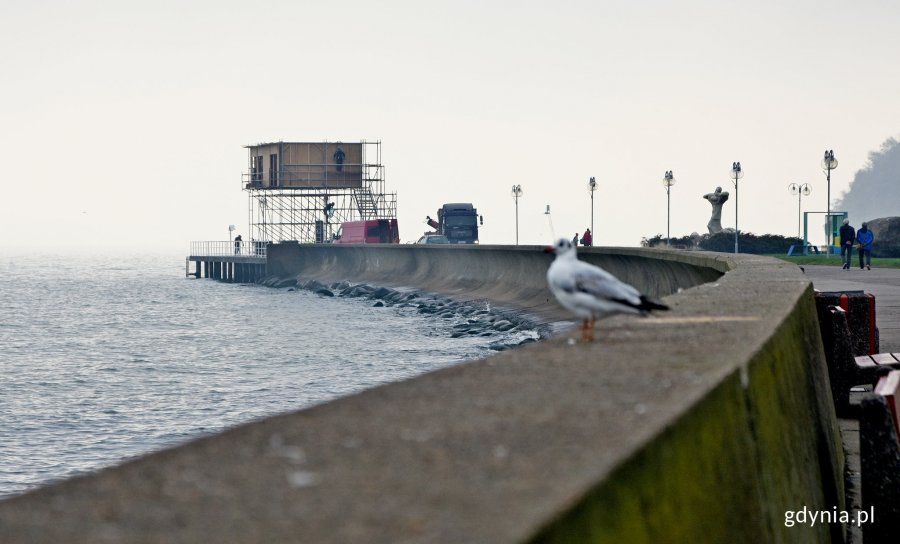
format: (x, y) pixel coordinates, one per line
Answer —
(864, 238)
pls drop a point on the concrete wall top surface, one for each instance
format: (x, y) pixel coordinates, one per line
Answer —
(702, 423)
(510, 275)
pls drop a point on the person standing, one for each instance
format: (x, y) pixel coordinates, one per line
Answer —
(338, 158)
(575, 240)
(864, 238)
(586, 239)
(237, 244)
(848, 234)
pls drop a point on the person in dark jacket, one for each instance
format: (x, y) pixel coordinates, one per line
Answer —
(864, 238)
(339, 158)
(848, 234)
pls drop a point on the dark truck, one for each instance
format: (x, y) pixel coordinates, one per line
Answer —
(458, 222)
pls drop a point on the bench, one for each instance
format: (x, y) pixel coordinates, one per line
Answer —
(860, 308)
(844, 369)
(879, 448)
(877, 360)
(809, 248)
(889, 388)
(851, 341)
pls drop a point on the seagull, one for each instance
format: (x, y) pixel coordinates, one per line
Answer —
(590, 292)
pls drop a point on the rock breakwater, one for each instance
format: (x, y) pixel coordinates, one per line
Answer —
(506, 328)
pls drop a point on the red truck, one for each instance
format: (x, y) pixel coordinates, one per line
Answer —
(371, 231)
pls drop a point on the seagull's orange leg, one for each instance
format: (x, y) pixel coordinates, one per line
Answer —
(587, 330)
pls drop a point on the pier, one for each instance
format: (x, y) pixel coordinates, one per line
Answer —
(239, 262)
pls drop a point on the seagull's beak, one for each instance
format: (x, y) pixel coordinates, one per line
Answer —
(549, 249)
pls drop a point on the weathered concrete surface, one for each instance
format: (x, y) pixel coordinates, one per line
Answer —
(703, 425)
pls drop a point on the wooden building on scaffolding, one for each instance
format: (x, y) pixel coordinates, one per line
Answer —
(303, 191)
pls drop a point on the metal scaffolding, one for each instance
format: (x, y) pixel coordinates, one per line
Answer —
(314, 212)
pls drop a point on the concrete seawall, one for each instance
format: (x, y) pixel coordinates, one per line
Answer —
(702, 425)
(514, 276)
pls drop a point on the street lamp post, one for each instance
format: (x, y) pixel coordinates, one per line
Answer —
(592, 186)
(550, 220)
(516, 193)
(668, 181)
(801, 190)
(736, 174)
(829, 163)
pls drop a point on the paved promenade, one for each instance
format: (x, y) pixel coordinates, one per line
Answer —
(884, 283)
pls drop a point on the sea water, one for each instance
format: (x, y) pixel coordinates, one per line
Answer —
(107, 357)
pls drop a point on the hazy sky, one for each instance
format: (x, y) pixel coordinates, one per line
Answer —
(123, 123)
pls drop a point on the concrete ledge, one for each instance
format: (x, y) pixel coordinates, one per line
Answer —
(509, 275)
(703, 425)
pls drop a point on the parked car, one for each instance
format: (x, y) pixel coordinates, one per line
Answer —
(433, 239)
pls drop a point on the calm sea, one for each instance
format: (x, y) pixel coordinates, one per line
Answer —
(103, 358)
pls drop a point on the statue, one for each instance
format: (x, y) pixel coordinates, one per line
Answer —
(717, 199)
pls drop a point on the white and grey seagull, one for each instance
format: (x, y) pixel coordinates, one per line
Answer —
(590, 292)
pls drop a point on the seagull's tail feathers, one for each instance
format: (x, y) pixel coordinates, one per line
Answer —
(648, 304)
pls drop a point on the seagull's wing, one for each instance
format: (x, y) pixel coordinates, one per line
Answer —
(582, 287)
(603, 285)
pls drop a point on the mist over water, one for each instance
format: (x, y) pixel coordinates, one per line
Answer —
(105, 358)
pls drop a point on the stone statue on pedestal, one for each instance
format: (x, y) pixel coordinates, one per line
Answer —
(717, 199)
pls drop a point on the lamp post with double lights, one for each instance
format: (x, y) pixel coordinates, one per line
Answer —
(592, 186)
(829, 163)
(668, 181)
(801, 190)
(516, 192)
(736, 174)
